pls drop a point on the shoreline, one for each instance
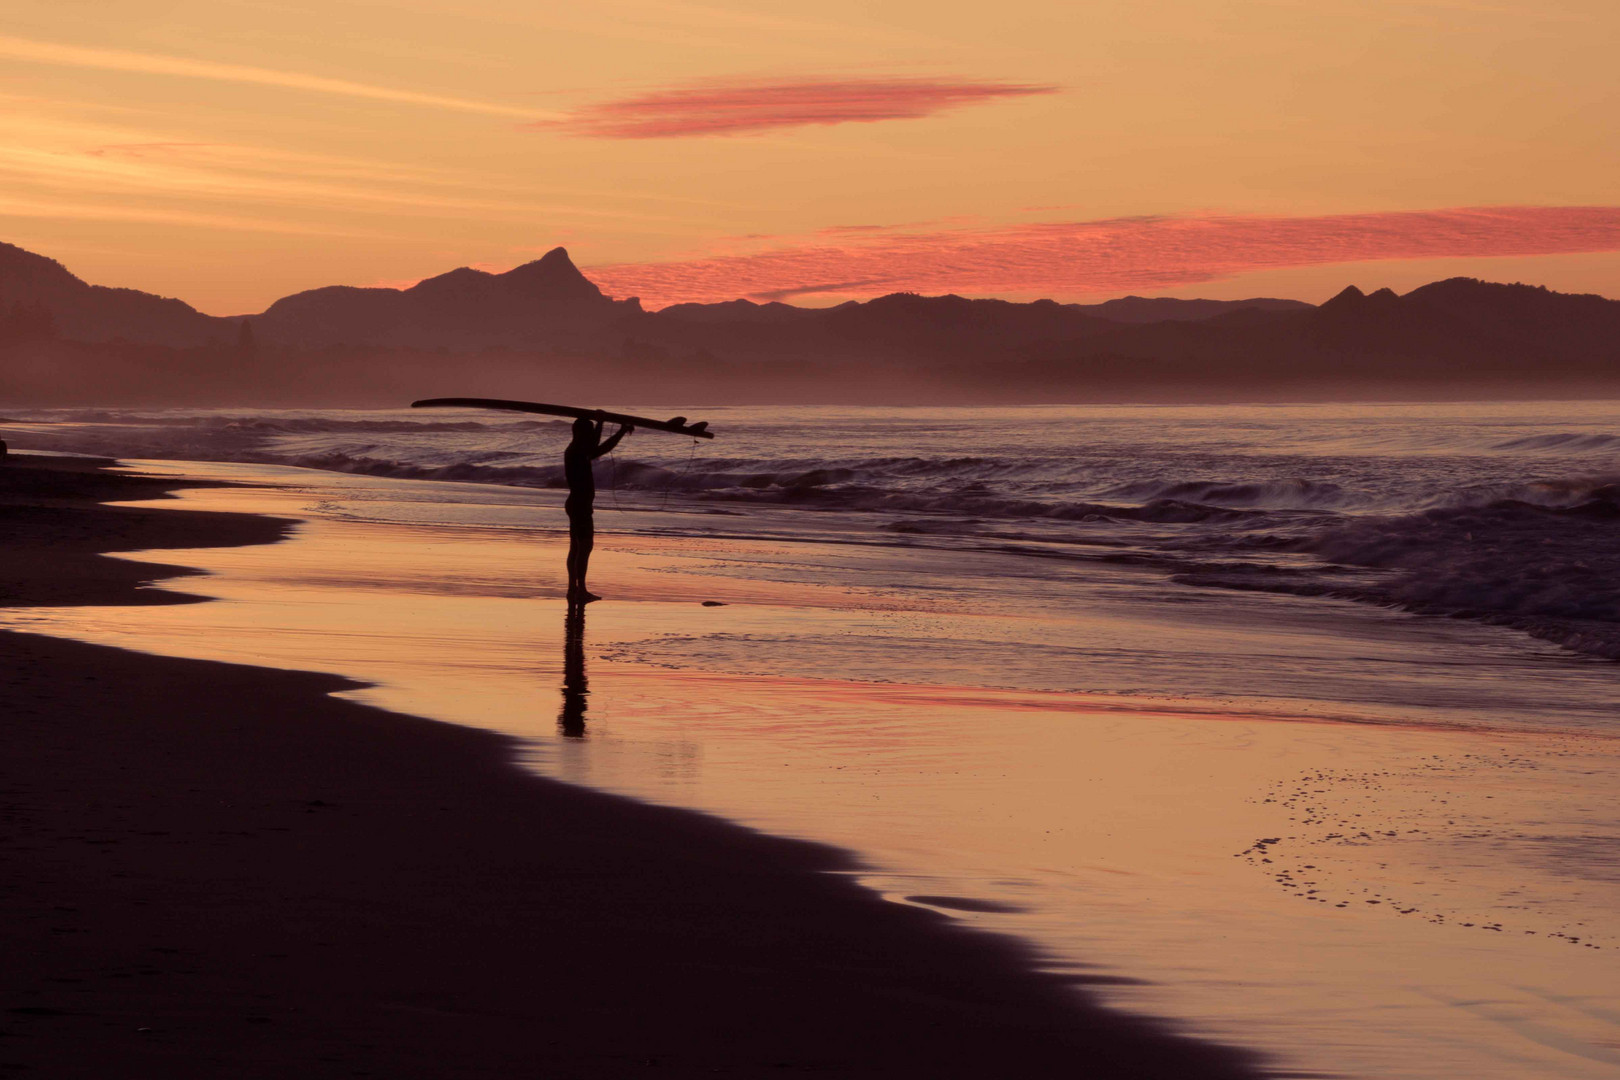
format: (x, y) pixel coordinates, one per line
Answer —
(273, 881)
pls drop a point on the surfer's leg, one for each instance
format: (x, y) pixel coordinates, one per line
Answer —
(587, 542)
(579, 546)
(574, 582)
(581, 539)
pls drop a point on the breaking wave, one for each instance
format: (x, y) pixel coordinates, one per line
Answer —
(1293, 492)
(1552, 571)
(1567, 441)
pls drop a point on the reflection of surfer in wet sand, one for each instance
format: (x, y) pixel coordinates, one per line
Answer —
(575, 686)
(587, 446)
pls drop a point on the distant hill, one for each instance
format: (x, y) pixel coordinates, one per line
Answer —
(84, 312)
(1149, 309)
(1455, 338)
(547, 302)
(545, 330)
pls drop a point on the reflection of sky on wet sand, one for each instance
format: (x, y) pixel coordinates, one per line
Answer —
(1121, 826)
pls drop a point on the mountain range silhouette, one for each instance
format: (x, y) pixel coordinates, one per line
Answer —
(538, 304)
(544, 328)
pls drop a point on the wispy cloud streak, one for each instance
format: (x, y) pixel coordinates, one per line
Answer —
(22, 206)
(1087, 258)
(740, 108)
(48, 161)
(42, 52)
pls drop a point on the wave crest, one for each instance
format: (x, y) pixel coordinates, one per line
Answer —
(1562, 441)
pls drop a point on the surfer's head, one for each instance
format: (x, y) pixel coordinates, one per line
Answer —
(584, 429)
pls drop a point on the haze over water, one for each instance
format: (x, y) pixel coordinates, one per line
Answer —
(1042, 668)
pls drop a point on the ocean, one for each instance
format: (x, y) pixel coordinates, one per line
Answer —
(1498, 513)
(1293, 723)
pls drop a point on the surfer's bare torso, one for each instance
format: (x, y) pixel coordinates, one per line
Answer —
(581, 477)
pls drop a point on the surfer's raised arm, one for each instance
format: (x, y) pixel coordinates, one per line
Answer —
(613, 440)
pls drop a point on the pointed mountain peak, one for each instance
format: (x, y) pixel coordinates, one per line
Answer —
(553, 272)
(1350, 299)
(554, 264)
(557, 256)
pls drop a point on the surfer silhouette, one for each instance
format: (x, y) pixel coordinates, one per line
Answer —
(588, 445)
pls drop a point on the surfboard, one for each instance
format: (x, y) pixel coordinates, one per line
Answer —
(676, 425)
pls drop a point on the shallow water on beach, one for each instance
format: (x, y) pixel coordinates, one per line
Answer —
(1365, 841)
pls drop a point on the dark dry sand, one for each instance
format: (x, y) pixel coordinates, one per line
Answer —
(210, 870)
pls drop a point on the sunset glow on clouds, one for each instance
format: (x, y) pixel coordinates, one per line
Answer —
(740, 108)
(230, 154)
(1067, 259)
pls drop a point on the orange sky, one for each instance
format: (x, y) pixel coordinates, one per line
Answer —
(231, 151)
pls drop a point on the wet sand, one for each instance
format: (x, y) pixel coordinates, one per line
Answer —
(220, 870)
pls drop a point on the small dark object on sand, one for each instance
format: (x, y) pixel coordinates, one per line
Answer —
(714, 603)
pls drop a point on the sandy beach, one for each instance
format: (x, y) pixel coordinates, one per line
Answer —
(219, 870)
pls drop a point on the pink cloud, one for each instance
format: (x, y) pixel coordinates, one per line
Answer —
(1086, 258)
(732, 108)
